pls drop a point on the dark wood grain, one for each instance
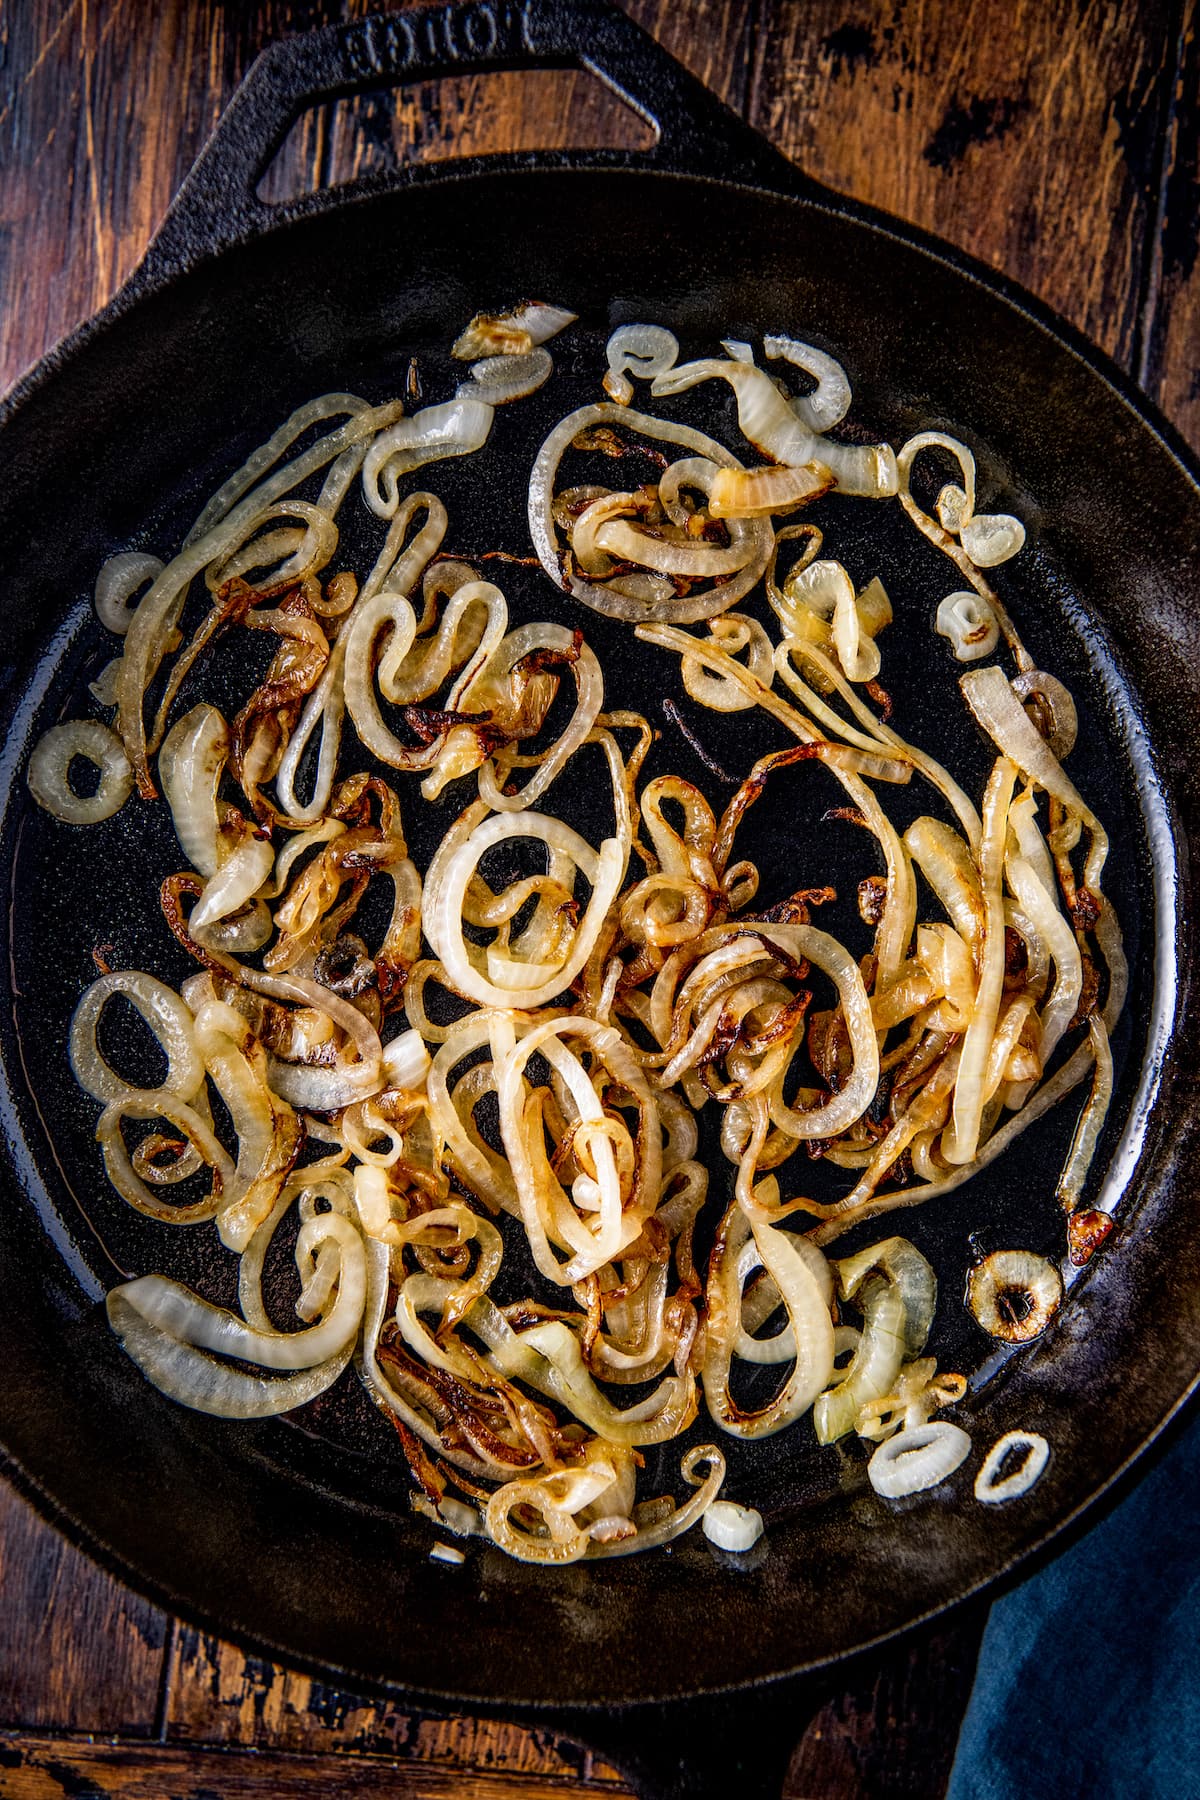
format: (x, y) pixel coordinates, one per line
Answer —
(1059, 142)
(77, 1650)
(1171, 366)
(1027, 132)
(49, 1768)
(218, 1695)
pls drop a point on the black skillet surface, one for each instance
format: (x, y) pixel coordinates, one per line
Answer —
(295, 1536)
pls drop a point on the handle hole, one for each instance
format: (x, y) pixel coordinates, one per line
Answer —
(437, 121)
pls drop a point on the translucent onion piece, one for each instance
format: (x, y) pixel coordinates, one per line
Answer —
(456, 428)
(969, 623)
(601, 1219)
(117, 583)
(642, 350)
(407, 1061)
(961, 1141)
(918, 1459)
(254, 469)
(605, 597)
(511, 333)
(765, 417)
(200, 1381)
(195, 1129)
(756, 493)
(735, 633)
(809, 1320)
(1091, 1122)
(182, 1315)
(992, 1488)
(497, 978)
(875, 1365)
(190, 765)
(167, 1017)
(1055, 699)
(732, 1527)
(240, 874)
(858, 1090)
(498, 379)
(829, 402)
(50, 765)
(772, 425)
(653, 1536)
(999, 711)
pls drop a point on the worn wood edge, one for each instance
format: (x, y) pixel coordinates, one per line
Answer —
(46, 1767)
(78, 1648)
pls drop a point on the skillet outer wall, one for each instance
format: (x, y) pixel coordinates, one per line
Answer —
(1120, 484)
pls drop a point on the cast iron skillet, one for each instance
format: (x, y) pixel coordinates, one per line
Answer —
(295, 1536)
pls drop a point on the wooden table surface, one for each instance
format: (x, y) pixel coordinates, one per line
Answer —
(1058, 141)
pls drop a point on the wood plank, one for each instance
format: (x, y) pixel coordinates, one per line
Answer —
(103, 108)
(892, 1734)
(1026, 132)
(48, 1768)
(1171, 366)
(218, 1695)
(78, 1651)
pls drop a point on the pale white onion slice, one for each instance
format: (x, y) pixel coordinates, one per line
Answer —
(969, 623)
(237, 880)
(180, 1314)
(642, 350)
(407, 1061)
(992, 1488)
(117, 583)
(190, 765)
(734, 632)
(991, 538)
(49, 769)
(732, 1527)
(456, 428)
(917, 1459)
(196, 1379)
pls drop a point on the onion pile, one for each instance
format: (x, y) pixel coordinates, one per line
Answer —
(520, 1052)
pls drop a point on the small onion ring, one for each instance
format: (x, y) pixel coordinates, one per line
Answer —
(993, 1492)
(918, 1459)
(50, 764)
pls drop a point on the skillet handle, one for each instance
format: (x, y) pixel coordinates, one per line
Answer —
(219, 204)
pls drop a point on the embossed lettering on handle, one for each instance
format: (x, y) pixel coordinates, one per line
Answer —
(389, 47)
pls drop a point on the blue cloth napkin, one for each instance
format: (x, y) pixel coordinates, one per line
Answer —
(1088, 1682)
